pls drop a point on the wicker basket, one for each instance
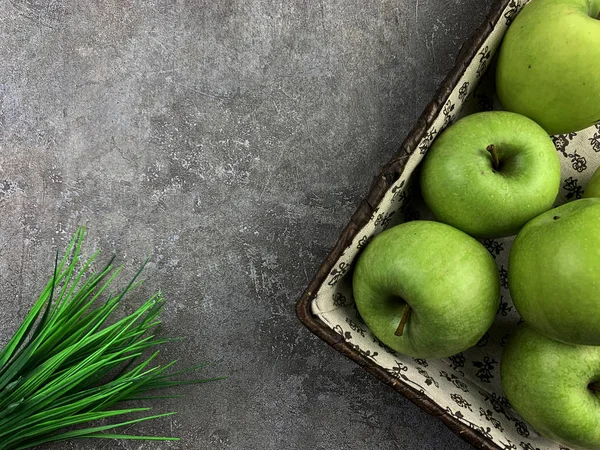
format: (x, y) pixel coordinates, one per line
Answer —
(463, 391)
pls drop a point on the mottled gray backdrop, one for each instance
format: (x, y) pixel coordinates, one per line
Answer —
(231, 140)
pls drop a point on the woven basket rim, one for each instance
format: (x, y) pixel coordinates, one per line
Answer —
(388, 174)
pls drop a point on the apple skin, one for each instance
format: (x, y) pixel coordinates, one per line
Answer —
(554, 272)
(449, 279)
(461, 187)
(547, 383)
(593, 187)
(549, 63)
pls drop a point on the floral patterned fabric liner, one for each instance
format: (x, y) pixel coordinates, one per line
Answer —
(466, 385)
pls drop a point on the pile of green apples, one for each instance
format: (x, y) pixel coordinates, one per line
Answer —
(430, 289)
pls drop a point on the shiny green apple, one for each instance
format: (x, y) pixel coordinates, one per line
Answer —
(465, 186)
(549, 64)
(426, 289)
(593, 187)
(554, 386)
(554, 272)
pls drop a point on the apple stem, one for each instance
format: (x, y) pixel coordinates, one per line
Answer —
(594, 387)
(495, 161)
(405, 314)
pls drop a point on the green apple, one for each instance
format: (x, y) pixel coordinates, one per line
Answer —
(549, 63)
(593, 187)
(554, 272)
(426, 289)
(554, 386)
(489, 173)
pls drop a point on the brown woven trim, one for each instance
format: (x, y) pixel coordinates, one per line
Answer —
(382, 182)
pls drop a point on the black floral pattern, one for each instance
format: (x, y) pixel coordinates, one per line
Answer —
(513, 8)
(489, 416)
(455, 381)
(399, 192)
(498, 403)
(368, 353)
(355, 327)
(456, 414)
(504, 308)
(339, 299)
(486, 369)
(363, 241)
(375, 211)
(400, 196)
(383, 220)
(337, 273)
(484, 56)
(404, 199)
(528, 446)
(457, 361)
(460, 401)
(574, 191)
(484, 431)
(427, 140)
(521, 428)
(421, 362)
(464, 91)
(345, 334)
(494, 247)
(561, 142)
(579, 163)
(447, 112)
(483, 340)
(503, 277)
(399, 371)
(595, 141)
(429, 381)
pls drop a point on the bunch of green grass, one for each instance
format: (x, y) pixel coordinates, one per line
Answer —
(67, 365)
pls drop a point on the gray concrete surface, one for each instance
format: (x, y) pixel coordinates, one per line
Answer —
(231, 140)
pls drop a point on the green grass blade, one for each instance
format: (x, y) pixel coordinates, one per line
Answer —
(96, 432)
(72, 361)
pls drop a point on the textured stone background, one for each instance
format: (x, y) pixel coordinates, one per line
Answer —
(231, 140)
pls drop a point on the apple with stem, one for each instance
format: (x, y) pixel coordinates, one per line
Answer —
(554, 386)
(489, 173)
(426, 289)
(549, 62)
(554, 269)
